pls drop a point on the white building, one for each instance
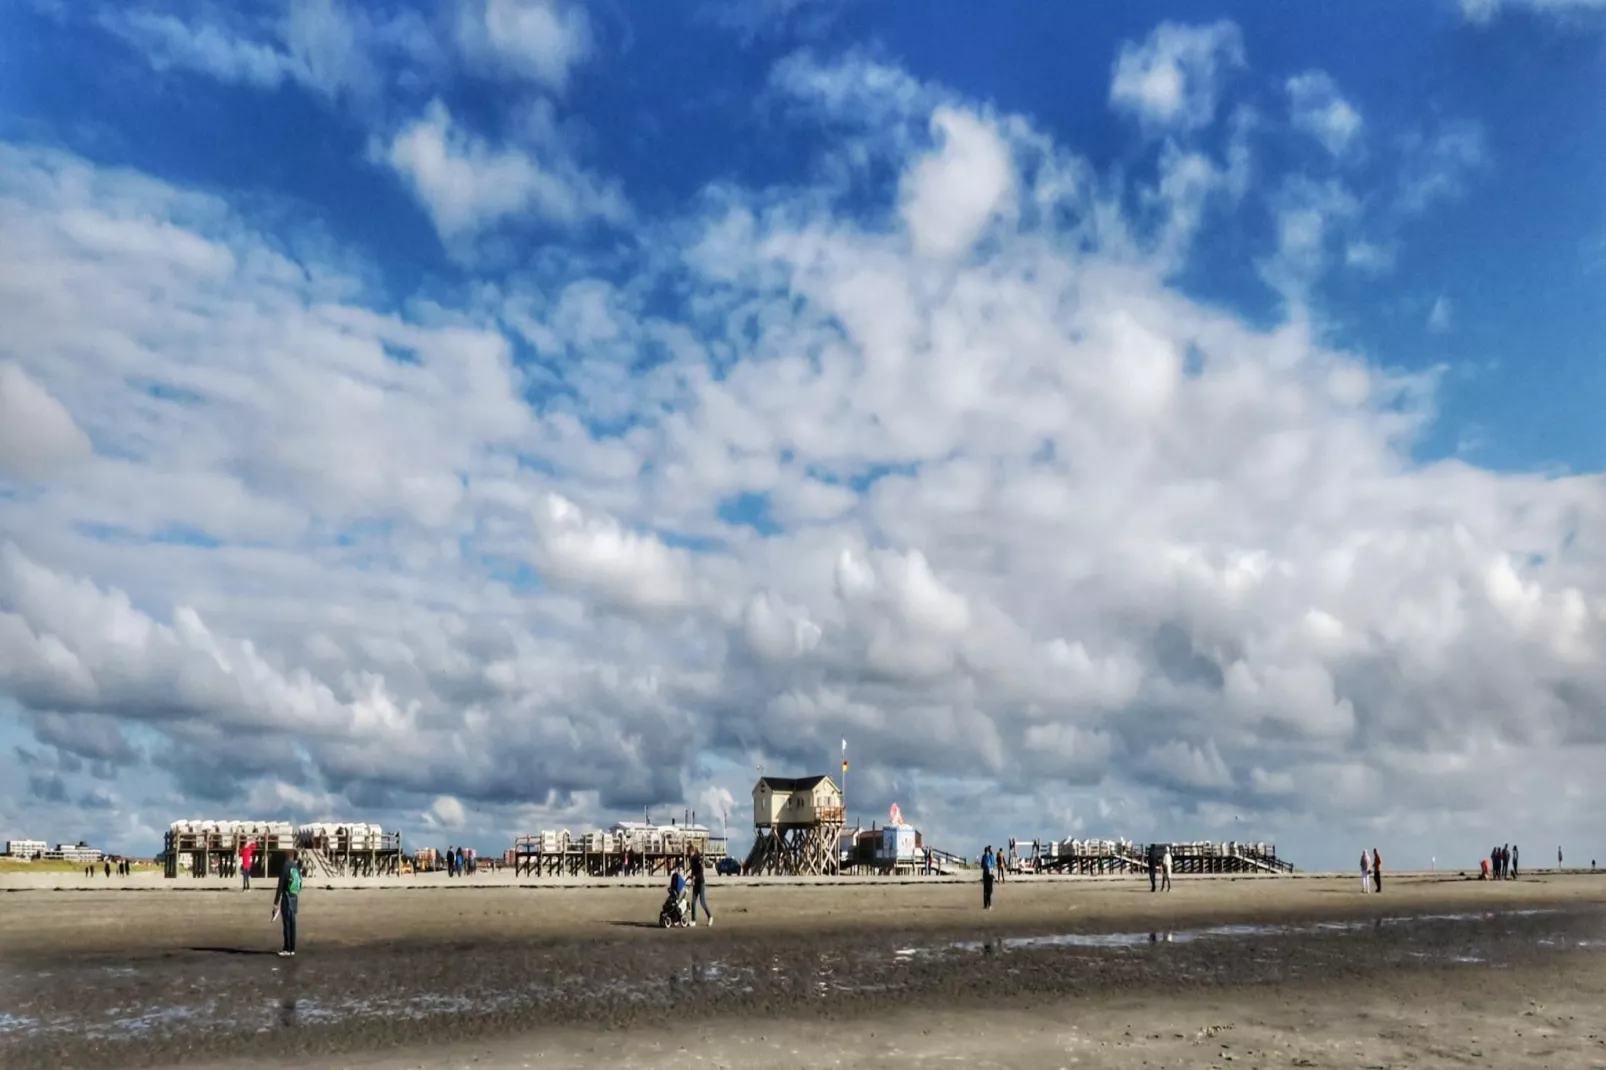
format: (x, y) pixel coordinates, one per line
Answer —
(70, 852)
(25, 848)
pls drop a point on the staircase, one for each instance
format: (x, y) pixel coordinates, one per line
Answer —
(314, 863)
(948, 865)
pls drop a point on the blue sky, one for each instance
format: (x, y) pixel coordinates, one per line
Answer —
(800, 369)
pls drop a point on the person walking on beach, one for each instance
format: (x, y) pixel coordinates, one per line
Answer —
(247, 856)
(1366, 872)
(1377, 870)
(987, 863)
(1514, 861)
(1154, 868)
(1165, 870)
(286, 899)
(699, 888)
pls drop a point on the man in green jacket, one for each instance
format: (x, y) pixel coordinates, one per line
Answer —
(286, 897)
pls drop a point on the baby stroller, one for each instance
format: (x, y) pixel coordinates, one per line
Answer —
(675, 912)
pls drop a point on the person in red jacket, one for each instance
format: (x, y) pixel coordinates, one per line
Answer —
(248, 855)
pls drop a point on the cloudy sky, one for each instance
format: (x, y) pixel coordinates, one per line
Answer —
(1174, 420)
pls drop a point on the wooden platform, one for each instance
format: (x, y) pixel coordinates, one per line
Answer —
(1112, 858)
(538, 856)
(200, 855)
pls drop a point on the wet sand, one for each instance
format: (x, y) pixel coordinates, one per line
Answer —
(837, 973)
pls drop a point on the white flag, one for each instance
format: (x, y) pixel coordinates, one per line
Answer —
(844, 746)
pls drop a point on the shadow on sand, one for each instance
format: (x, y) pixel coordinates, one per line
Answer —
(230, 950)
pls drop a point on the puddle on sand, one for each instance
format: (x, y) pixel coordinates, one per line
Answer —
(1215, 932)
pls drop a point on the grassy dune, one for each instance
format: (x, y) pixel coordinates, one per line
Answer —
(15, 865)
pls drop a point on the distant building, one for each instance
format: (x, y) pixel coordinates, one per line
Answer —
(25, 848)
(793, 802)
(71, 852)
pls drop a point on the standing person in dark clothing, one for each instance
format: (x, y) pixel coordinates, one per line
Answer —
(1154, 870)
(1515, 860)
(286, 899)
(699, 886)
(1377, 870)
(987, 863)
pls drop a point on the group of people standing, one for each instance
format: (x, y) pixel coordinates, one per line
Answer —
(1371, 871)
(124, 868)
(1503, 862)
(457, 863)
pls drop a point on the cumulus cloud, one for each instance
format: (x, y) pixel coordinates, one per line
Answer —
(1172, 80)
(466, 183)
(1317, 108)
(540, 41)
(958, 474)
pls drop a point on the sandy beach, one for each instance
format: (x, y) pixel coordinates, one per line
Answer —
(869, 973)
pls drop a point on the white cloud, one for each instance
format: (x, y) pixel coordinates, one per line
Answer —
(37, 433)
(466, 184)
(1439, 316)
(1369, 256)
(540, 41)
(951, 196)
(599, 554)
(325, 46)
(767, 18)
(446, 812)
(1483, 12)
(1437, 165)
(1033, 508)
(1311, 218)
(1173, 79)
(1317, 108)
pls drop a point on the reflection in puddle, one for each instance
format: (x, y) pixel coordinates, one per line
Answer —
(1188, 936)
